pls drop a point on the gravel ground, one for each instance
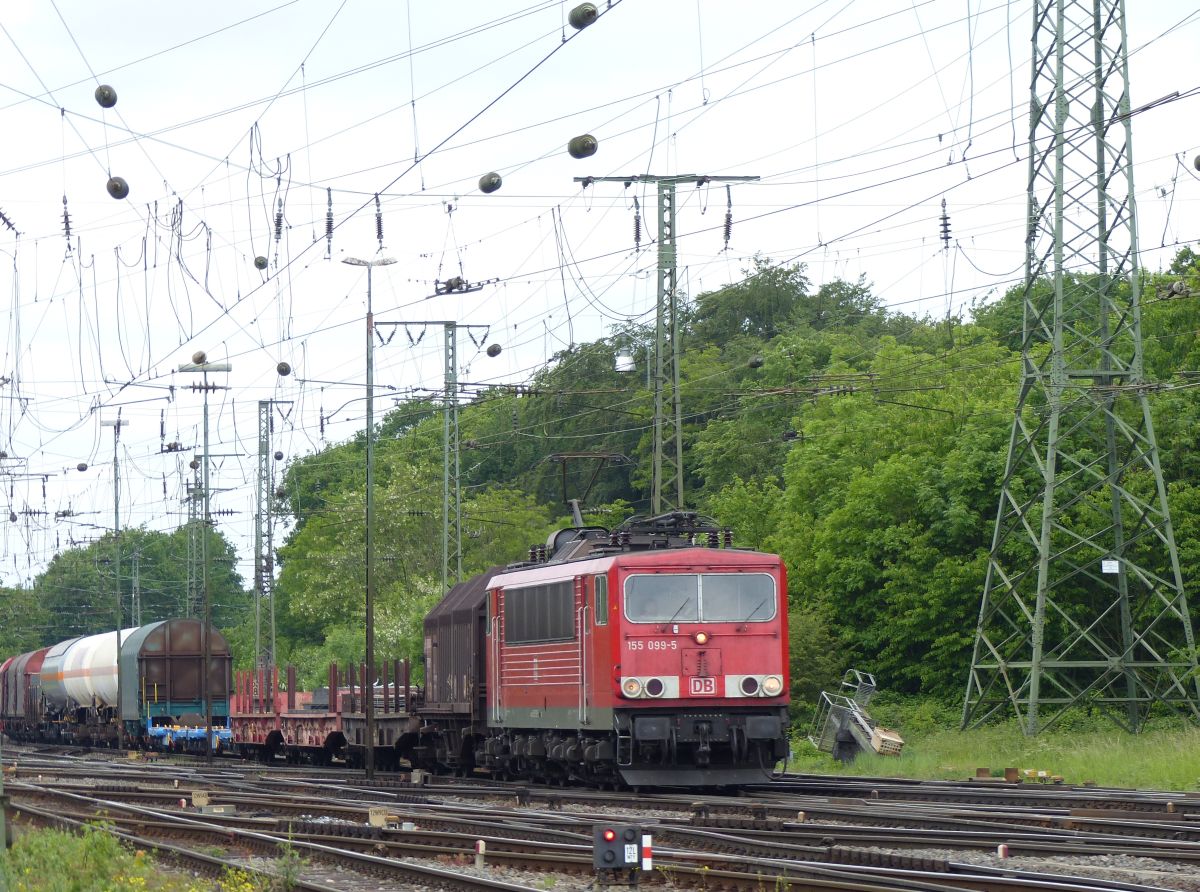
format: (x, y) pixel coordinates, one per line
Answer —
(1120, 868)
(348, 881)
(1135, 871)
(1116, 868)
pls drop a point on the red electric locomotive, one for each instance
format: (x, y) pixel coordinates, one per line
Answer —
(637, 656)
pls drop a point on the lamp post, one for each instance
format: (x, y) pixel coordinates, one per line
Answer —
(201, 364)
(369, 697)
(116, 426)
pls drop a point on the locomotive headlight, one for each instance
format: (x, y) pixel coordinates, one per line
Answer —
(631, 687)
(772, 685)
(655, 687)
(701, 637)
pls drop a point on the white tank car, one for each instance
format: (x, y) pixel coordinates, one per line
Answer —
(53, 689)
(90, 669)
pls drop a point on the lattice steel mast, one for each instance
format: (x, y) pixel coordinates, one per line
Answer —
(264, 564)
(194, 497)
(451, 462)
(451, 448)
(666, 492)
(1083, 602)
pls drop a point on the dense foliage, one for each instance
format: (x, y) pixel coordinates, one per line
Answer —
(76, 593)
(867, 448)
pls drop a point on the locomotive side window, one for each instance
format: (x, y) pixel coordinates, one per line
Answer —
(539, 613)
(708, 597)
(600, 601)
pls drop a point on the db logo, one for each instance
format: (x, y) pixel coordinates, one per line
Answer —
(703, 686)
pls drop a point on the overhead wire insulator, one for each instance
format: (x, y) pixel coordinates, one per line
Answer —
(637, 224)
(279, 222)
(945, 226)
(329, 223)
(728, 215)
(378, 221)
(66, 223)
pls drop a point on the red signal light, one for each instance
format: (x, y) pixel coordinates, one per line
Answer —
(610, 834)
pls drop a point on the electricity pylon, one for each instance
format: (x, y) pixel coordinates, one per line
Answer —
(1083, 603)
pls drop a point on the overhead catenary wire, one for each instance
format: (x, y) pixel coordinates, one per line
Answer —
(578, 268)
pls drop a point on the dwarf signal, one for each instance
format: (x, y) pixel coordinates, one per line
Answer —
(620, 847)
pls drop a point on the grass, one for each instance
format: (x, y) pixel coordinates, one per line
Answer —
(1087, 748)
(95, 861)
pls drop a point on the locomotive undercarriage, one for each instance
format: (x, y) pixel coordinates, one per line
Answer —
(668, 748)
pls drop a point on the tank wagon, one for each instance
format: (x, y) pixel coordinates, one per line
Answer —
(67, 693)
(648, 656)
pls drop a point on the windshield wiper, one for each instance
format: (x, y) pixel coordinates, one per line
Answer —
(687, 600)
(754, 611)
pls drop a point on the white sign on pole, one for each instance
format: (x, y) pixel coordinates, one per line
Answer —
(1109, 566)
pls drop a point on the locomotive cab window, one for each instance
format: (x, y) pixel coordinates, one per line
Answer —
(737, 597)
(600, 599)
(705, 597)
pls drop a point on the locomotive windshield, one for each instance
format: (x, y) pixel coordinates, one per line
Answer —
(705, 597)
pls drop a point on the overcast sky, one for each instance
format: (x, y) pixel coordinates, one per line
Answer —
(858, 116)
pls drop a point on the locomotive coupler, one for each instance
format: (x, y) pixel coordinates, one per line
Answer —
(703, 748)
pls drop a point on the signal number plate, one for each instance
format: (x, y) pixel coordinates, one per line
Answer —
(702, 686)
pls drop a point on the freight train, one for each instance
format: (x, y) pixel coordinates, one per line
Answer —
(652, 655)
(67, 693)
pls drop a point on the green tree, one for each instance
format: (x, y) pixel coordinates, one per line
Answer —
(23, 619)
(885, 519)
(77, 590)
(761, 305)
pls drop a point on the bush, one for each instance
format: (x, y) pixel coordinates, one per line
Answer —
(93, 861)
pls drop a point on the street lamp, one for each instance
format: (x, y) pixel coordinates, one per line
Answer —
(369, 699)
(200, 363)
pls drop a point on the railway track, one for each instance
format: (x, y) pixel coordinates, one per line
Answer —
(540, 836)
(370, 858)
